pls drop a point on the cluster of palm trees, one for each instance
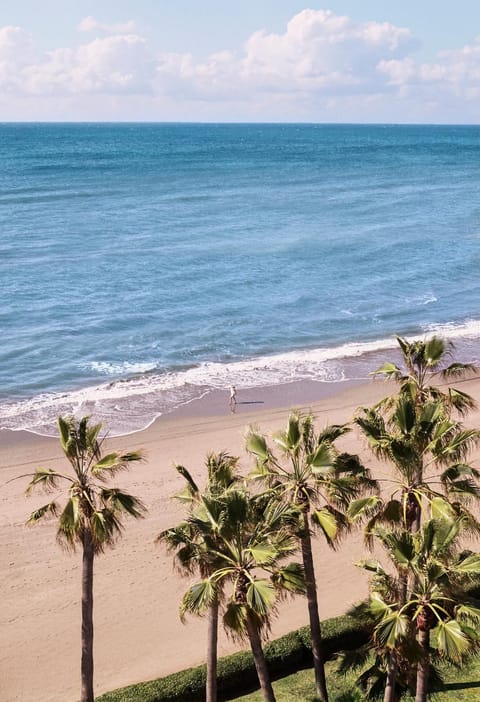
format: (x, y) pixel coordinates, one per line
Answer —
(419, 523)
(237, 538)
(239, 535)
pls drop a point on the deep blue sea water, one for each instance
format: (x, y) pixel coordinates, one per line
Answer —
(143, 264)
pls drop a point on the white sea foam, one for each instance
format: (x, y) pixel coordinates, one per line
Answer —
(130, 404)
(126, 367)
(419, 300)
(468, 330)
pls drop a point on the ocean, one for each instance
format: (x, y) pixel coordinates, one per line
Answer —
(143, 265)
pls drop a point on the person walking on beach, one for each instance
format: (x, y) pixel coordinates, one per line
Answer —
(233, 397)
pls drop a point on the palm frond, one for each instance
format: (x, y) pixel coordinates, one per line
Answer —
(44, 478)
(192, 486)
(393, 627)
(451, 641)
(328, 522)
(332, 432)
(290, 578)
(119, 501)
(235, 620)
(113, 463)
(49, 509)
(256, 444)
(461, 401)
(388, 371)
(261, 597)
(364, 507)
(70, 524)
(263, 553)
(199, 597)
(469, 565)
(322, 459)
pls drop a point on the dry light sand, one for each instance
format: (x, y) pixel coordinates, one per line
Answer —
(138, 635)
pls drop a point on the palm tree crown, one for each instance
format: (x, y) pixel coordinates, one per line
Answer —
(429, 453)
(91, 508)
(426, 360)
(438, 608)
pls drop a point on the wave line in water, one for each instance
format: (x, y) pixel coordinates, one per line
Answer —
(130, 404)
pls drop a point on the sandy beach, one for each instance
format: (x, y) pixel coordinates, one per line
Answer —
(138, 634)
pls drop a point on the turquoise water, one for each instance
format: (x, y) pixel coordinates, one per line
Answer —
(143, 264)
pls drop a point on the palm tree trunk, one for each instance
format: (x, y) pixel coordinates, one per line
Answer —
(390, 694)
(260, 662)
(392, 670)
(423, 668)
(418, 514)
(87, 619)
(315, 631)
(211, 689)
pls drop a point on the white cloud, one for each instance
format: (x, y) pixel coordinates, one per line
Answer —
(319, 51)
(90, 24)
(323, 66)
(119, 63)
(453, 76)
(398, 72)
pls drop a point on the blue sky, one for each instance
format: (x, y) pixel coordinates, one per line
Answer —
(255, 60)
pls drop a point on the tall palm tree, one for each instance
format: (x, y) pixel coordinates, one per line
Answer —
(194, 547)
(251, 545)
(439, 604)
(91, 516)
(416, 431)
(428, 453)
(319, 482)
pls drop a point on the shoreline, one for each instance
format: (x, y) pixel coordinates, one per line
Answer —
(126, 405)
(138, 634)
(215, 404)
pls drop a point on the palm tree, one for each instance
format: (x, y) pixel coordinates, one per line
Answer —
(194, 547)
(428, 453)
(414, 430)
(418, 400)
(439, 604)
(91, 516)
(252, 542)
(425, 360)
(320, 483)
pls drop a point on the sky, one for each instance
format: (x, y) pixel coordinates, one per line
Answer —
(360, 61)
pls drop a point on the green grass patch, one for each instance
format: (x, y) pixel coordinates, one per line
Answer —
(301, 687)
(460, 685)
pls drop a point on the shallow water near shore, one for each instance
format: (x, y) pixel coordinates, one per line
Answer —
(146, 266)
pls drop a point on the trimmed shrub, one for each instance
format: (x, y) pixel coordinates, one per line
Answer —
(237, 674)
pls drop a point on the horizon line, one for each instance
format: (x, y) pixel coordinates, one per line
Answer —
(247, 122)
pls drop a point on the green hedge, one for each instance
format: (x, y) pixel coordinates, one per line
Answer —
(237, 674)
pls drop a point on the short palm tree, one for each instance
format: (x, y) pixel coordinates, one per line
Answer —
(319, 482)
(428, 453)
(424, 361)
(439, 610)
(91, 516)
(249, 550)
(194, 539)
